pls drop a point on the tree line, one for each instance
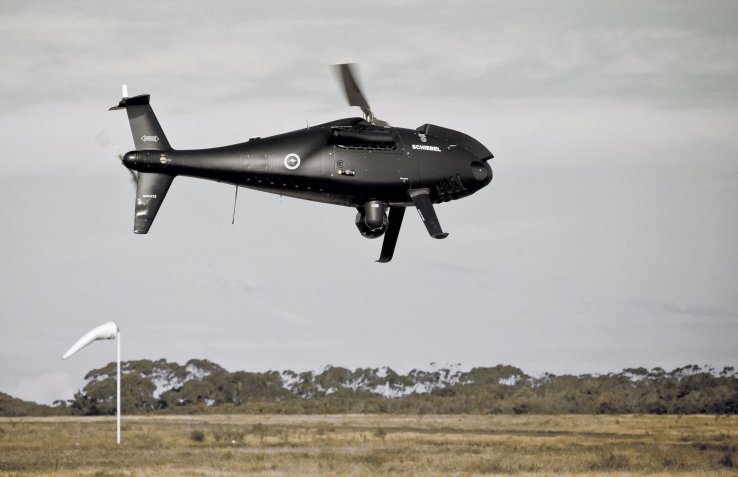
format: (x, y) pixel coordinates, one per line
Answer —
(201, 386)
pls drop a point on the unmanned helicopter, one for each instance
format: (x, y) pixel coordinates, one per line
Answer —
(355, 162)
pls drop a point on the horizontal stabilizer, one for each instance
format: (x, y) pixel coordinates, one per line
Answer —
(140, 100)
(151, 188)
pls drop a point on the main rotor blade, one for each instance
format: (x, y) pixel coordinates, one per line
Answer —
(379, 122)
(390, 236)
(354, 96)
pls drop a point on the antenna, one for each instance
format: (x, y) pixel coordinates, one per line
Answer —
(234, 206)
(125, 90)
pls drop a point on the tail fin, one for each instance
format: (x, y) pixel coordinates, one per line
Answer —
(151, 188)
(147, 132)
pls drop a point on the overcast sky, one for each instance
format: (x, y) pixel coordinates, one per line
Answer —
(607, 238)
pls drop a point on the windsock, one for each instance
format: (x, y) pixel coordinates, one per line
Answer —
(106, 331)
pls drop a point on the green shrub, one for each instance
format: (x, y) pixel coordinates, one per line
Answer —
(197, 436)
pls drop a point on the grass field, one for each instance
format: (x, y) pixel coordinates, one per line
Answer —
(362, 445)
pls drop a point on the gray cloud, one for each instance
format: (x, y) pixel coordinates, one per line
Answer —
(672, 54)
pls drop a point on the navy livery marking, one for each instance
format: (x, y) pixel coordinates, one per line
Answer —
(292, 161)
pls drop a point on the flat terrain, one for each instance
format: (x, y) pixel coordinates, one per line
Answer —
(362, 445)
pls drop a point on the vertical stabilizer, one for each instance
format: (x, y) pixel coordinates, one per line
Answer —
(151, 188)
(146, 130)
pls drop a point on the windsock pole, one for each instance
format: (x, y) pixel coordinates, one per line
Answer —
(106, 331)
(117, 398)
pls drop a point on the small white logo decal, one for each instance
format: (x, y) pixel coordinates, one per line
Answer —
(149, 196)
(164, 159)
(150, 138)
(292, 161)
(422, 137)
(426, 148)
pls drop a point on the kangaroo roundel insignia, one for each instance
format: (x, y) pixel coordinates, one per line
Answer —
(292, 161)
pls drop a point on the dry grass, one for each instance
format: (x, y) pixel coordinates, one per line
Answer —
(363, 445)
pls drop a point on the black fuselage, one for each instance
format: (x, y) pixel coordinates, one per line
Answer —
(347, 162)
